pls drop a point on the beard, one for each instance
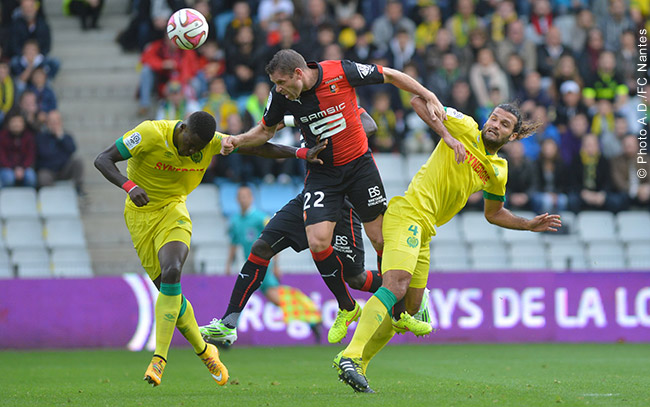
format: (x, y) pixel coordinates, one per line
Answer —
(491, 144)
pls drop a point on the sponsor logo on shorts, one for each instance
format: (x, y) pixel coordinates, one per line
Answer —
(133, 140)
(341, 244)
(376, 198)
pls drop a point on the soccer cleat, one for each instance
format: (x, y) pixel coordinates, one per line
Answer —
(343, 320)
(218, 333)
(210, 357)
(406, 323)
(154, 372)
(423, 313)
(351, 373)
(337, 359)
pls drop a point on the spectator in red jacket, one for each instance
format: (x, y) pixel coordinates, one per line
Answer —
(17, 153)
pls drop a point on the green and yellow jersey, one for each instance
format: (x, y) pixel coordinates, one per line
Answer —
(442, 187)
(154, 163)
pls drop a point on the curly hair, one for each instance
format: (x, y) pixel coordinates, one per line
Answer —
(202, 124)
(285, 62)
(522, 128)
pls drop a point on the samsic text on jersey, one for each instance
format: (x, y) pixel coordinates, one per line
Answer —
(329, 109)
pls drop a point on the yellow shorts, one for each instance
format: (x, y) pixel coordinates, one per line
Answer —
(406, 242)
(151, 230)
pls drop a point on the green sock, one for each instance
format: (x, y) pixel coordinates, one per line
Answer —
(188, 326)
(167, 308)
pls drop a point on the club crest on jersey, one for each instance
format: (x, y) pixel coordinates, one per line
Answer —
(133, 140)
(168, 154)
(334, 88)
(197, 157)
(364, 69)
(496, 170)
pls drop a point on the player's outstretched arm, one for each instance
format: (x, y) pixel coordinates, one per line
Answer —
(105, 163)
(256, 136)
(405, 82)
(496, 214)
(271, 150)
(433, 121)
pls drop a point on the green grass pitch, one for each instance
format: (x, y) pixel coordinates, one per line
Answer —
(405, 376)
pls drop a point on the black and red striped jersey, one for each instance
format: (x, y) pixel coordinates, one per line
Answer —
(329, 109)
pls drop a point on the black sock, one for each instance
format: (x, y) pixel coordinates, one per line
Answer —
(373, 281)
(331, 269)
(249, 279)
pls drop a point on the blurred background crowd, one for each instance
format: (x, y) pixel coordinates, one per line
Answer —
(571, 64)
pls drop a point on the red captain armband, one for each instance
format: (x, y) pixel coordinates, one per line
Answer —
(302, 153)
(128, 186)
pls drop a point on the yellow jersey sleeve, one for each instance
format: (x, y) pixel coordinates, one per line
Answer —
(461, 126)
(132, 143)
(495, 189)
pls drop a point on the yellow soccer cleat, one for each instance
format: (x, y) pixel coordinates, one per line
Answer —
(210, 357)
(407, 323)
(154, 372)
(340, 326)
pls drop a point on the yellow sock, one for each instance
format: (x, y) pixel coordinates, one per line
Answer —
(372, 316)
(381, 337)
(167, 307)
(188, 326)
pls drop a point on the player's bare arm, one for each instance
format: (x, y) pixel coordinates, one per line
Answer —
(271, 150)
(405, 82)
(256, 136)
(420, 107)
(105, 163)
(497, 214)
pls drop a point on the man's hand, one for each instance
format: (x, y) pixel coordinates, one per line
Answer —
(545, 223)
(457, 146)
(312, 153)
(139, 197)
(228, 145)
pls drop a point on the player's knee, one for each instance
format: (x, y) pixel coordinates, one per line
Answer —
(357, 281)
(318, 243)
(171, 274)
(262, 250)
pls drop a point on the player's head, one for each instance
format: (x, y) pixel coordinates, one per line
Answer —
(244, 197)
(506, 124)
(196, 133)
(287, 70)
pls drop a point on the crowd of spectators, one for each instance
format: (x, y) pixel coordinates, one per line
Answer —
(35, 150)
(569, 64)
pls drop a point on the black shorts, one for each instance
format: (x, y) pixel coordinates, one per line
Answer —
(326, 188)
(287, 229)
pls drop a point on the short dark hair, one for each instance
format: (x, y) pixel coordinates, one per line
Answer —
(522, 128)
(202, 124)
(285, 61)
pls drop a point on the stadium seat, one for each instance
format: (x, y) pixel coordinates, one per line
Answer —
(391, 167)
(633, 226)
(608, 256)
(68, 262)
(527, 255)
(272, 197)
(211, 259)
(477, 229)
(18, 203)
(291, 262)
(566, 254)
(24, 233)
(449, 256)
(449, 232)
(31, 262)
(568, 223)
(414, 162)
(228, 197)
(204, 200)
(488, 256)
(596, 226)
(511, 235)
(210, 230)
(64, 232)
(58, 201)
(636, 255)
(6, 268)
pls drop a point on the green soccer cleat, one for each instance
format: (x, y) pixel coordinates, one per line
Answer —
(340, 326)
(350, 372)
(217, 333)
(407, 323)
(423, 313)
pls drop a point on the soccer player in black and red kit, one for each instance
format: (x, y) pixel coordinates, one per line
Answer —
(322, 99)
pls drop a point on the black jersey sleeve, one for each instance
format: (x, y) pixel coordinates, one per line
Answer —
(362, 74)
(275, 108)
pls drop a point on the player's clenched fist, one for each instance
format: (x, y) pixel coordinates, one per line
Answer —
(138, 196)
(228, 145)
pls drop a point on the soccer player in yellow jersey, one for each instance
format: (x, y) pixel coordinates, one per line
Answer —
(166, 161)
(437, 192)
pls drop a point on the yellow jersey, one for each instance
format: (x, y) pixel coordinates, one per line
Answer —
(154, 163)
(441, 188)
